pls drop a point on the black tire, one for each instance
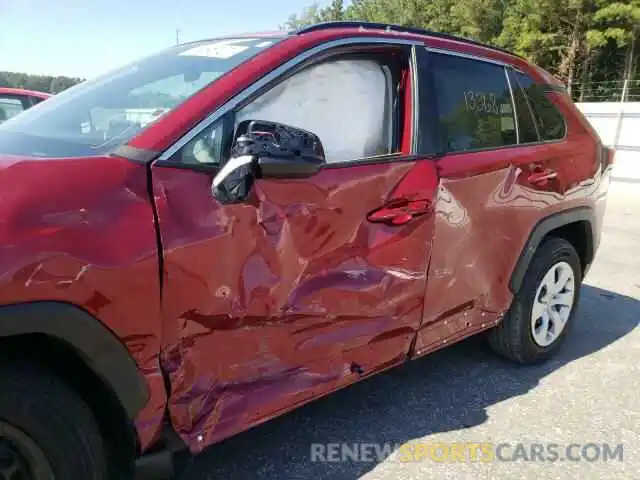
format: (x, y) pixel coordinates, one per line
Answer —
(513, 338)
(51, 417)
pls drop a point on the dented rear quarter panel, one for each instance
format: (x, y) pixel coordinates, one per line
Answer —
(82, 231)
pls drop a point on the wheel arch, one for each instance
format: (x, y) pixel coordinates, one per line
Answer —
(575, 225)
(95, 345)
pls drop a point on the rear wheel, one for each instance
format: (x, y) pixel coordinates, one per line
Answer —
(542, 311)
(46, 431)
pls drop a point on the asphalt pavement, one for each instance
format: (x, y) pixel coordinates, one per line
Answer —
(589, 395)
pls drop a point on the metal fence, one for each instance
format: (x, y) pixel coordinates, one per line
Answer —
(613, 108)
(609, 91)
(617, 123)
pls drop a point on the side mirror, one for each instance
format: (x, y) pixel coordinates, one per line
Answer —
(267, 150)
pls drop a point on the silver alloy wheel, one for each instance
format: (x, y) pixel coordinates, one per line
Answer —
(553, 303)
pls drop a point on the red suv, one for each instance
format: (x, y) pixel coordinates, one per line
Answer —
(217, 234)
(15, 100)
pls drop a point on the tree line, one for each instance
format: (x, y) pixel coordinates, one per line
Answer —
(591, 45)
(40, 83)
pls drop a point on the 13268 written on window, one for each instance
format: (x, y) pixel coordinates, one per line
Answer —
(475, 110)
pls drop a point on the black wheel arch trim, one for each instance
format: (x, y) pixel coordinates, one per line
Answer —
(98, 347)
(542, 229)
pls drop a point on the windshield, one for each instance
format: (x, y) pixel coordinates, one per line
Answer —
(97, 116)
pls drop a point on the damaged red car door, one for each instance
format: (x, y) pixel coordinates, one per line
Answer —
(304, 286)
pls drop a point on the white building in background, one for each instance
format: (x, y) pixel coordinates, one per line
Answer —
(618, 124)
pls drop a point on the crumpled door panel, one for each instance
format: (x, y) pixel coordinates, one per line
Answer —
(287, 296)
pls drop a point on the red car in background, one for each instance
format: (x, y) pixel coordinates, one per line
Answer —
(16, 100)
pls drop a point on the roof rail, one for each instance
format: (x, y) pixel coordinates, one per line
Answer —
(389, 27)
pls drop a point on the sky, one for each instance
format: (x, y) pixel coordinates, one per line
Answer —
(84, 38)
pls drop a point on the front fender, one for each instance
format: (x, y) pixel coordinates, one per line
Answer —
(96, 345)
(82, 232)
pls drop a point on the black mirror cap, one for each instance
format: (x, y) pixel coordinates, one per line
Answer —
(280, 151)
(277, 140)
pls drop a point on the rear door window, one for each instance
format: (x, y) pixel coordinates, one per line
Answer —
(474, 104)
(549, 120)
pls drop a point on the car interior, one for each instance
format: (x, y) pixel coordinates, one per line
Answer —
(352, 101)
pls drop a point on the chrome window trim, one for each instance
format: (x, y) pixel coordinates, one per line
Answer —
(467, 56)
(273, 75)
(513, 106)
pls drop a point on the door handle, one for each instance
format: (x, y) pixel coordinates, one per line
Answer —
(399, 212)
(542, 175)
